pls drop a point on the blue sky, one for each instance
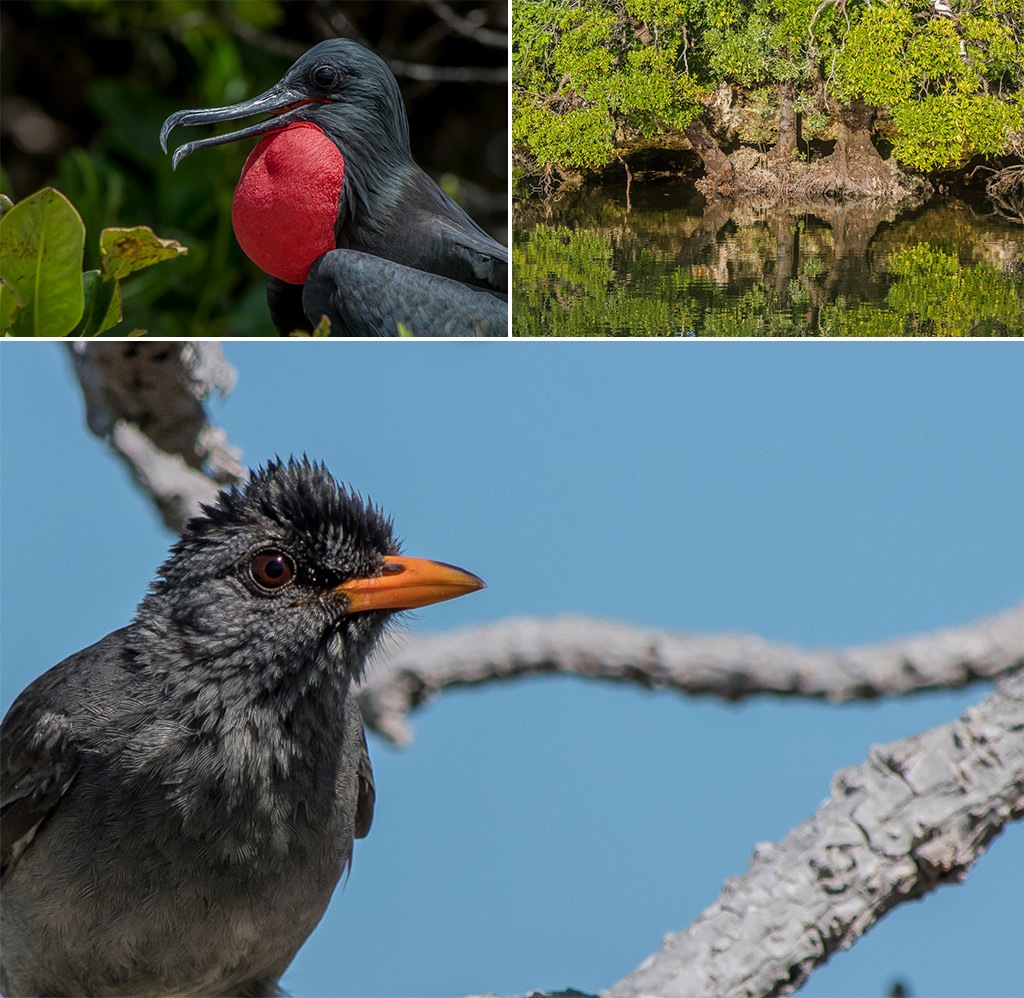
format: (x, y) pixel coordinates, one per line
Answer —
(546, 833)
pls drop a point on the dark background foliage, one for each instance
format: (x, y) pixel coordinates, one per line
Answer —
(86, 85)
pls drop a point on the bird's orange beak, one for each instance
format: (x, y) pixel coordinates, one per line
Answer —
(405, 583)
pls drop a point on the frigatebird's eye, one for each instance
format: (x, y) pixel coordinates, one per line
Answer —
(325, 77)
(271, 569)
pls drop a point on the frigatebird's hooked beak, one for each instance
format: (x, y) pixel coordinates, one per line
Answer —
(341, 172)
(282, 101)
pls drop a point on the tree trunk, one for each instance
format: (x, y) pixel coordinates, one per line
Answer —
(855, 161)
(784, 151)
(721, 174)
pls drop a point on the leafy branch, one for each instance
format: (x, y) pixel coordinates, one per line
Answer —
(43, 290)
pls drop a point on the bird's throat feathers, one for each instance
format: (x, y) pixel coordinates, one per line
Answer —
(257, 664)
(286, 202)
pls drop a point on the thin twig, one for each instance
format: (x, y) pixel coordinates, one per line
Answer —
(464, 26)
(447, 74)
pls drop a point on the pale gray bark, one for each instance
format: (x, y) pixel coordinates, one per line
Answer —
(915, 816)
(146, 399)
(412, 670)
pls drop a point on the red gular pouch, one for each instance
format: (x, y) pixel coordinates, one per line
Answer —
(286, 201)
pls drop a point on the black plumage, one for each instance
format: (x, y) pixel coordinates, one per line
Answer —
(388, 208)
(181, 798)
(368, 296)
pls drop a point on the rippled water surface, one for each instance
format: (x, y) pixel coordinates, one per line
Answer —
(670, 265)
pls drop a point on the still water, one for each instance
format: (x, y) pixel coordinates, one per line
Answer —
(667, 264)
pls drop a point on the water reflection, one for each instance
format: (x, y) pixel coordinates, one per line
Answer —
(673, 265)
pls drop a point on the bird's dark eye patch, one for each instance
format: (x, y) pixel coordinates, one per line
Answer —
(325, 77)
(271, 569)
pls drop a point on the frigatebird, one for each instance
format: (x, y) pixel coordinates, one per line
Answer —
(332, 206)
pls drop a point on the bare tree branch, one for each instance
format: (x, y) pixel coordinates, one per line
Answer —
(727, 666)
(284, 48)
(447, 74)
(340, 25)
(146, 400)
(467, 27)
(915, 816)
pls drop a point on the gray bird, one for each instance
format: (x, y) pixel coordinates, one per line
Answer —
(180, 799)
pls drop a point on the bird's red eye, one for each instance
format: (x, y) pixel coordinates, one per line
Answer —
(271, 569)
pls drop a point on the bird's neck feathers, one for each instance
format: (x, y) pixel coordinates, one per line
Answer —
(258, 654)
(375, 179)
(269, 730)
(371, 129)
(255, 673)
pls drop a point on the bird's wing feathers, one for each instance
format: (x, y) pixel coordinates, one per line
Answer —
(367, 794)
(364, 295)
(446, 239)
(355, 778)
(42, 748)
(38, 762)
(480, 260)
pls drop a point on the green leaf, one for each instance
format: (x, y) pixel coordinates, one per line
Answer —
(6, 204)
(42, 240)
(10, 303)
(123, 251)
(322, 328)
(102, 304)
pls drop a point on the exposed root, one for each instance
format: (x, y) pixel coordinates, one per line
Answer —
(1006, 189)
(757, 178)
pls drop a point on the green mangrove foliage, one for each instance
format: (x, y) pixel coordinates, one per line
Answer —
(582, 71)
(953, 85)
(589, 73)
